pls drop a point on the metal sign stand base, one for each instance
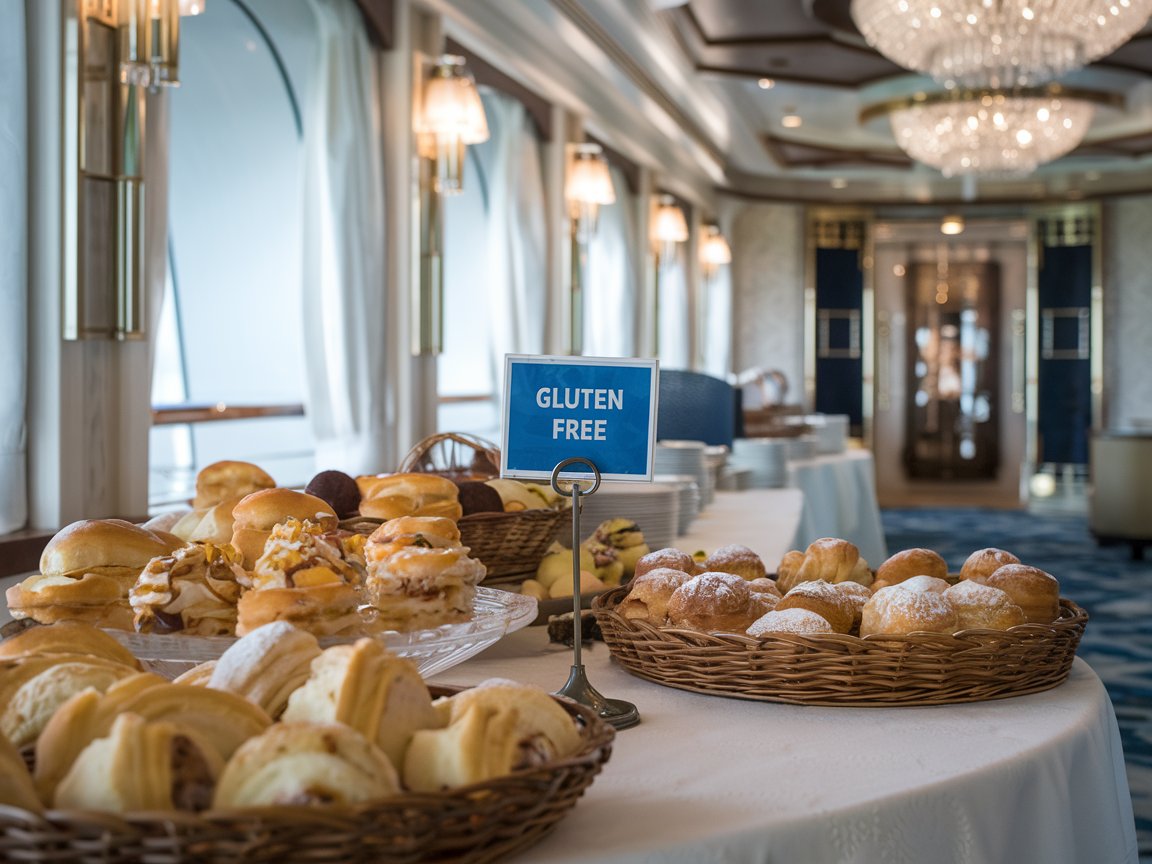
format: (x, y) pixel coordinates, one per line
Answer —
(617, 712)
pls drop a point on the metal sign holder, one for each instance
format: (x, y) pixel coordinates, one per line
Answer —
(617, 712)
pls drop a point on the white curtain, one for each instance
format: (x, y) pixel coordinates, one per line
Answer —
(673, 322)
(717, 335)
(516, 232)
(343, 270)
(13, 268)
(610, 292)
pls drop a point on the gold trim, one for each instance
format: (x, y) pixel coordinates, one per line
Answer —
(1055, 91)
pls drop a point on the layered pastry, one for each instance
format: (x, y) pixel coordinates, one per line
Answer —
(192, 590)
(488, 731)
(213, 524)
(370, 689)
(419, 576)
(257, 514)
(142, 765)
(390, 496)
(67, 637)
(33, 687)
(266, 665)
(302, 577)
(16, 788)
(302, 763)
(625, 538)
(86, 572)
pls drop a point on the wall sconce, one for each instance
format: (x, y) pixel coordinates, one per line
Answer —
(668, 228)
(589, 185)
(714, 251)
(450, 117)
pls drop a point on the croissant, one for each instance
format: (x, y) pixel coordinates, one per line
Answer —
(266, 665)
(33, 687)
(368, 688)
(306, 763)
(16, 788)
(67, 637)
(493, 729)
(142, 765)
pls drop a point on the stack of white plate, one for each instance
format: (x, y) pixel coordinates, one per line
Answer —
(686, 457)
(802, 446)
(831, 431)
(689, 500)
(715, 457)
(764, 458)
(654, 507)
(733, 479)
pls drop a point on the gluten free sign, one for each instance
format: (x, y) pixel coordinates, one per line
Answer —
(595, 408)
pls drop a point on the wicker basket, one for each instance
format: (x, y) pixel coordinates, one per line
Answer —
(478, 823)
(833, 669)
(454, 455)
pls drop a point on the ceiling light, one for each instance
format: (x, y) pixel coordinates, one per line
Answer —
(990, 132)
(1006, 43)
(714, 249)
(668, 224)
(766, 83)
(952, 224)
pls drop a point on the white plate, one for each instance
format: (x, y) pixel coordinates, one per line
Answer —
(495, 614)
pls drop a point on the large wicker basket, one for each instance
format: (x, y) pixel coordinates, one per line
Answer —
(834, 669)
(479, 823)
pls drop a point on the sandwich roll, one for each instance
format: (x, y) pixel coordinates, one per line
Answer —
(228, 480)
(257, 514)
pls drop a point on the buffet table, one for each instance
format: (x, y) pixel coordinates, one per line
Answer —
(702, 778)
(764, 520)
(840, 501)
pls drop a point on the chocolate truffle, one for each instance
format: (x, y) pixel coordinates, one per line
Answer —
(477, 497)
(338, 489)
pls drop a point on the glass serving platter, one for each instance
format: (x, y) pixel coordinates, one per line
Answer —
(495, 613)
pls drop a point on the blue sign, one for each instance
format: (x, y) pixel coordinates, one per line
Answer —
(597, 408)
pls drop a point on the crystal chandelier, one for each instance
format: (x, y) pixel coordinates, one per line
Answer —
(990, 132)
(997, 43)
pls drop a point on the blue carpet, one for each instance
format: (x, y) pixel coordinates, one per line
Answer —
(1115, 590)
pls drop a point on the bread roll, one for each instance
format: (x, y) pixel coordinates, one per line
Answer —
(908, 563)
(896, 611)
(925, 583)
(983, 607)
(713, 603)
(736, 559)
(387, 507)
(1036, 592)
(370, 689)
(491, 730)
(92, 599)
(107, 547)
(648, 597)
(228, 480)
(255, 515)
(823, 599)
(214, 524)
(412, 494)
(672, 559)
(765, 586)
(804, 622)
(303, 763)
(830, 559)
(857, 595)
(984, 562)
(141, 765)
(787, 570)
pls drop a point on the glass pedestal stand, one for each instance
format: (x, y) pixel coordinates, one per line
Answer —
(578, 688)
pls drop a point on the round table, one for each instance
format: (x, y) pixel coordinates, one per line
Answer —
(709, 779)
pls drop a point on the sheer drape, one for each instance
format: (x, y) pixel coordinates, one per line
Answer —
(717, 330)
(13, 268)
(343, 270)
(516, 233)
(673, 321)
(610, 292)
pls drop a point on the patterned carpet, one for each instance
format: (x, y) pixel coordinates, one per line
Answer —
(1115, 590)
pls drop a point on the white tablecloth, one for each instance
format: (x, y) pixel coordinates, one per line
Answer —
(840, 501)
(764, 520)
(1035, 778)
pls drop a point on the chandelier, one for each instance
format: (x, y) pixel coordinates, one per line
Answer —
(997, 43)
(989, 132)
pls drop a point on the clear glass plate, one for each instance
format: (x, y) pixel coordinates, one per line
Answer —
(495, 613)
